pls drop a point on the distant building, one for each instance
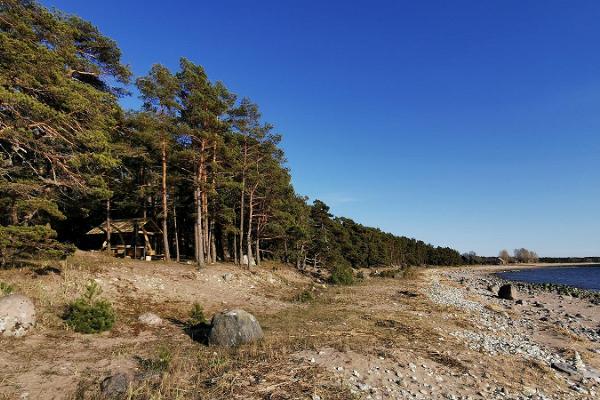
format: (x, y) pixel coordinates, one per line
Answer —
(493, 261)
(134, 237)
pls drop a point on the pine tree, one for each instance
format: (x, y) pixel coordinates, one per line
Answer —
(59, 113)
(159, 91)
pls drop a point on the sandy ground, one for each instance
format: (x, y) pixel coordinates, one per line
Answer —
(439, 335)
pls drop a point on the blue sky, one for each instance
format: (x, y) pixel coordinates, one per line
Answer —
(472, 124)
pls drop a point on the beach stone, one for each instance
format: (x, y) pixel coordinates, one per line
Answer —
(150, 319)
(579, 364)
(17, 315)
(117, 385)
(235, 327)
(507, 292)
(565, 368)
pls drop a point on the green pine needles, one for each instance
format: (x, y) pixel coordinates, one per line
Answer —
(197, 316)
(89, 314)
(342, 275)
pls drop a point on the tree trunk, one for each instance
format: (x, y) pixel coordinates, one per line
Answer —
(204, 201)
(175, 229)
(235, 250)
(242, 200)
(249, 232)
(213, 244)
(257, 249)
(164, 201)
(198, 241)
(108, 229)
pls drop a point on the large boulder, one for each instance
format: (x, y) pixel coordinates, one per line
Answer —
(17, 315)
(507, 292)
(232, 328)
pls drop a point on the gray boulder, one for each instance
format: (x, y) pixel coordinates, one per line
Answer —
(232, 328)
(17, 315)
(117, 385)
(507, 292)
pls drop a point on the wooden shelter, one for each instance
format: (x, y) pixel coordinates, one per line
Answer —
(134, 237)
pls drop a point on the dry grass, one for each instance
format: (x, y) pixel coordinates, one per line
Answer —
(384, 317)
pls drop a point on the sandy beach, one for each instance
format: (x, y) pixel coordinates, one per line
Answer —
(440, 334)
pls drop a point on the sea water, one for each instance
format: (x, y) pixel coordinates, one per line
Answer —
(583, 277)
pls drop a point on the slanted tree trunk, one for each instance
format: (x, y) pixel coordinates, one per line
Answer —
(165, 210)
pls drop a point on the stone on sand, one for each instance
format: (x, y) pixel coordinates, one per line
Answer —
(17, 315)
(235, 327)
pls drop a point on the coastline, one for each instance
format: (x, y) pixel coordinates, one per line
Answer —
(438, 334)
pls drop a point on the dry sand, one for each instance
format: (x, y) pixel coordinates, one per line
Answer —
(440, 335)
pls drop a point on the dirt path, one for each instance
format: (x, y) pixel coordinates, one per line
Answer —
(441, 335)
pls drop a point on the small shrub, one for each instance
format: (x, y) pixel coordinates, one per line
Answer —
(88, 314)
(305, 296)
(408, 272)
(6, 288)
(197, 316)
(342, 275)
(360, 276)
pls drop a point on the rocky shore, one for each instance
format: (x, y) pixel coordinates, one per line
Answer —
(527, 325)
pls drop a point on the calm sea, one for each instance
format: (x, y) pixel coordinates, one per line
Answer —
(584, 277)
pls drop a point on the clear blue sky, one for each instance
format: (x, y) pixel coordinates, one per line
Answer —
(473, 124)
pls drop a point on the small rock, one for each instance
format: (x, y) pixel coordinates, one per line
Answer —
(117, 385)
(529, 391)
(150, 319)
(579, 365)
(17, 315)
(227, 277)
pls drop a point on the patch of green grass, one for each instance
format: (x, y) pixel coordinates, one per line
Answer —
(6, 288)
(305, 296)
(160, 363)
(197, 316)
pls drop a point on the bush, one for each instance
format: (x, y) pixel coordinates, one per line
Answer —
(305, 296)
(88, 314)
(388, 273)
(342, 275)
(6, 288)
(197, 316)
